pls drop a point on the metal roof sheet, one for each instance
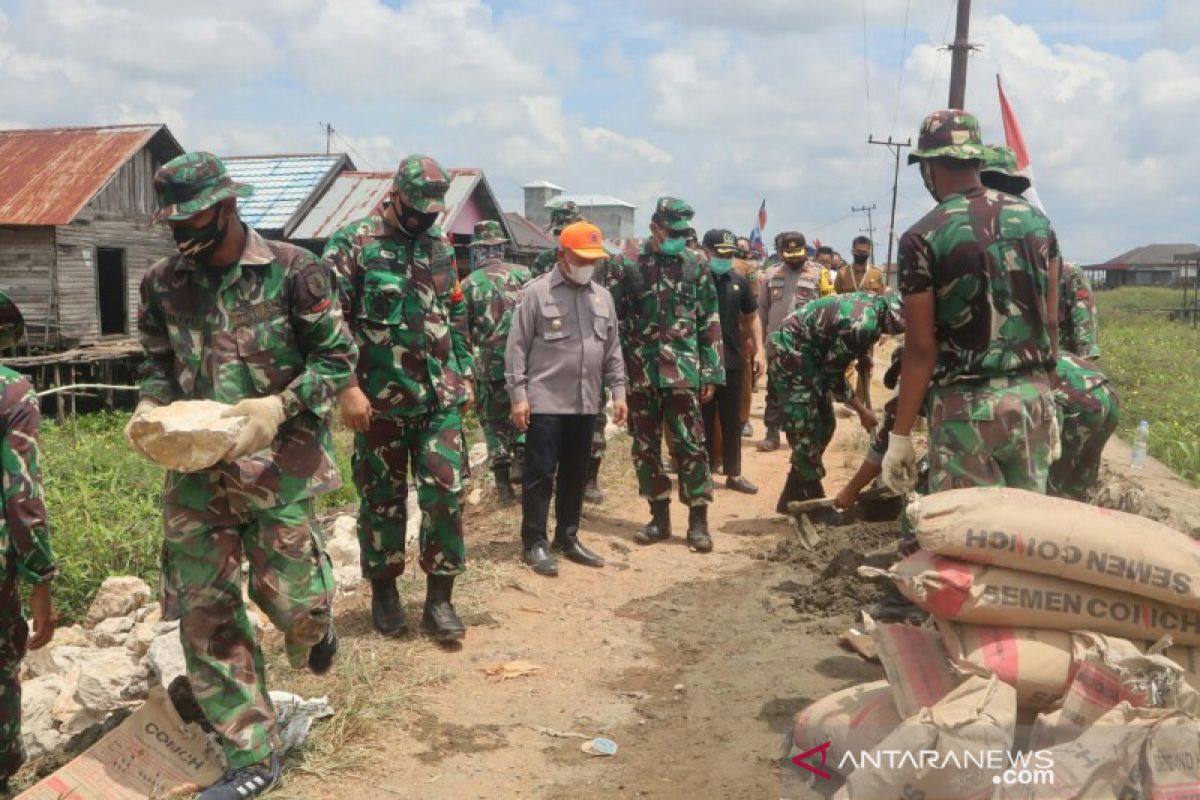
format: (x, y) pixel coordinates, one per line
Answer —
(527, 234)
(48, 175)
(589, 201)
(283, 185)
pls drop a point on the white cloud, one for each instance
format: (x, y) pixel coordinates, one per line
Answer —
(623, 149)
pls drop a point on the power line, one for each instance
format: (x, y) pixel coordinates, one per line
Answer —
(866, 64)
(938, 60)
(870, 221)
(895, 147)
(331, 134)
(903, 52)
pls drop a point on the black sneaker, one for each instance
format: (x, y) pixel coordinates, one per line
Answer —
(238, 784)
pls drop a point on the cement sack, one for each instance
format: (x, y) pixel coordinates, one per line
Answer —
(953, 750)
(187, 435)
(851, 720)
(1037, 663)
(917, 666)
(1052, 536)
(985, 595)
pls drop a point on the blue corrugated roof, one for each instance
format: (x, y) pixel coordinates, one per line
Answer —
(282, 185)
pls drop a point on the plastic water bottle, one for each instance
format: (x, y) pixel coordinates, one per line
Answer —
(1141, 440)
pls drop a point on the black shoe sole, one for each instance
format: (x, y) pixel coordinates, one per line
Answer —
(393, 633)
(640, 539)
(439, 635)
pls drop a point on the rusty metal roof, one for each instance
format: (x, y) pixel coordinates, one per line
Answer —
(48, 175)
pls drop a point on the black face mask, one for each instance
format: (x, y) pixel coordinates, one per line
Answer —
(861, 258)
(413, 222)
(199, 243)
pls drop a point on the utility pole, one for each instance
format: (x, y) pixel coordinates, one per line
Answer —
(958, 55)
(895, 147)
(870, 222)
(328, 128)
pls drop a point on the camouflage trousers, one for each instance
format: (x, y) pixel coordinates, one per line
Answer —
(1087, 423)
(809, 422)
(291, 580)
(495, 416)
(991, 433)
(651, 410)
(433, 446)
(13, 633)
(773, 415)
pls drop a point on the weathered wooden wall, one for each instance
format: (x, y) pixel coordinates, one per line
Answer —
(118, 216)
(26, 261)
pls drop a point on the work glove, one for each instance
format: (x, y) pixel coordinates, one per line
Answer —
(1055, 437)
(900, 464)
(142, 407)
(263, 416)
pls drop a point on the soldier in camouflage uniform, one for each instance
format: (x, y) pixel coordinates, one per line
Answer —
(1077, 328)
(24, 542)
(1090, 413)
(809, 354)
(794, 282)
(491, 292)
(561, 216)
(671, 337)
(401, 295)
(979, 299)
(238, 319)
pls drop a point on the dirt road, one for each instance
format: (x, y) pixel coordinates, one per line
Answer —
(693, 664)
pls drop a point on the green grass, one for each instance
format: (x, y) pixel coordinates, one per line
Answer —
(1155, 365)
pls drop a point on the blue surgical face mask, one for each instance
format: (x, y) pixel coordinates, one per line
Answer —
(720, 266)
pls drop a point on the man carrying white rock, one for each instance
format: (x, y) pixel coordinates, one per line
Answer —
(240, 320)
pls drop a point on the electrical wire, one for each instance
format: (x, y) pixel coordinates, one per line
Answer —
(866, 65)
(938, 61)
(353, 152)
(903, 55)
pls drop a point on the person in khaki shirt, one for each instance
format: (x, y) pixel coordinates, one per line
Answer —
(861, 276)
(562, 349)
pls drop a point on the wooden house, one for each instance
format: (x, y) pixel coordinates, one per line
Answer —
(75, 229)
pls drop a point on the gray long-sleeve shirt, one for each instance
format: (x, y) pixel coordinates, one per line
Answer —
(563, 347)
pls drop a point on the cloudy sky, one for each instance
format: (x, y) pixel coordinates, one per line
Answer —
(720, 102)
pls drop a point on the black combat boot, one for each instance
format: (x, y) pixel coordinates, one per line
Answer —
(796, 488)
(504, 487)
(569, 546)
(440, 620)
(387, 612)
(770, 441)
(659, 526)
(320, 655)
(591, 492)
(697, 533)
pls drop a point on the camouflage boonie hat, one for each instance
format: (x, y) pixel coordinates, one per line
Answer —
(421, 184)
(488, 231)
(674, 213)
(891, 313)
(192, 182)
(12, 324)
(564, 214)
(1000, 170)
(949, 134)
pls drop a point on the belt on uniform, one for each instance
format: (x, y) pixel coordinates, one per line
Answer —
(1020, 376)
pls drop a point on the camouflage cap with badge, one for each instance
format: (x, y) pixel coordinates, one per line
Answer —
(488, 232)
(949, 134)
(192, 182)
(421, 184)
(673, 214)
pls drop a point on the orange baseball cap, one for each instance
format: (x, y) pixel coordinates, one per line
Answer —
(583, 239)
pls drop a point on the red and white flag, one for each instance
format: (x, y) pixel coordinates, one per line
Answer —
(1016, 141)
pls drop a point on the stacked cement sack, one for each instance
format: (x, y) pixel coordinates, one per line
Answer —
(1041, 609)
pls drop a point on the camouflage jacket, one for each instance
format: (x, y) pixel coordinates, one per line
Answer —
(1077, 314)
(543, 263)
(668, 321)
(24, 534)
(406, 308)
(491, 292)
(1077, 382)
(269, 324)
(985, 256)
(814, 345)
